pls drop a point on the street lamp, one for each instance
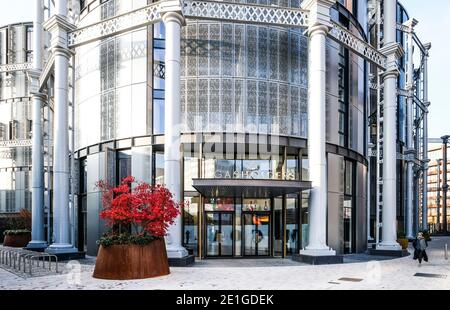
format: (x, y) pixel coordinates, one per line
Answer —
(444, 185)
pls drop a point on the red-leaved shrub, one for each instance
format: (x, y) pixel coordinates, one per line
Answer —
(149, 210)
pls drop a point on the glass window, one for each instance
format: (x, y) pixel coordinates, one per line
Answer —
(190, 223)
(305, 219)
(159, 31)
(256, 169)
(348, 178)
(158, 116)
(219, 204)
(190, 172)
(343, 96)
(225, 169)
(292, 221)
(292, 172)
(123, 165)
(29, 46)
(250, 205)
(159, 168)
(278, 234)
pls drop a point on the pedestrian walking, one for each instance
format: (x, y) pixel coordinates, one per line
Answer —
(420, 245)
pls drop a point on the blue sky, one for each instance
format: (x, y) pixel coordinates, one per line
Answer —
(434, 27)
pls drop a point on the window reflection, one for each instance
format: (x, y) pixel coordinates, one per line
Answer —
(158, 172)
(269, 169)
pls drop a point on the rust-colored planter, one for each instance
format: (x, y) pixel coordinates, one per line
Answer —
(17, 241)
(128, 262)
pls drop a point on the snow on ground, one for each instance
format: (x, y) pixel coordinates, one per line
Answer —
(259, 274)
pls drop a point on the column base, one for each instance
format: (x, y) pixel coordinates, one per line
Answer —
(65, 252)
(176, 252)
(389, 246)
(37, 246)
(179, 257)
(318, 257)
(182, 262)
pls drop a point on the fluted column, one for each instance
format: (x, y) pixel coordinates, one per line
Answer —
(37, 172)
(393, 51)
(59, 27)
(172, 136)
(410, 131)
(318, 29)
(425, 139)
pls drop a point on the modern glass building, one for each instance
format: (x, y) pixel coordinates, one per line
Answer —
(243, 88)
(15, 120)
(246, 107)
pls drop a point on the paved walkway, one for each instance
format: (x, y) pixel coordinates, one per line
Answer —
(357, 273)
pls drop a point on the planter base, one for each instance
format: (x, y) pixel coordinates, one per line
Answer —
(128, 262)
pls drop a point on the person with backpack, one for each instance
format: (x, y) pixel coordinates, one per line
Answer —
(420, 245)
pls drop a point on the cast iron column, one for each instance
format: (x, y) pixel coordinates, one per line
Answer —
(444, 185)
(425, 139)
(172, 136)
(37, 171)
(410, 130)
(319, 25)
(59, 27)
(393, 52)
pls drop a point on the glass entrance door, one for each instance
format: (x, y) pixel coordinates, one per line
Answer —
(256, 233)
(219, 234)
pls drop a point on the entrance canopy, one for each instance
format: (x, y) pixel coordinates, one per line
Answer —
(248, 187)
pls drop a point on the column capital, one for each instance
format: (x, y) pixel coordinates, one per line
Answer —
(411, 23)
(319, 12)
(33, 76)
(427, 47)
(58, 26)
(393, 52)
(172, 10)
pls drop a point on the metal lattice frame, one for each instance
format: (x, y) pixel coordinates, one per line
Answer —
(132, 20)
(224, 11)
(249, 13)
(15, 143)
(15, 67)
(360, 47)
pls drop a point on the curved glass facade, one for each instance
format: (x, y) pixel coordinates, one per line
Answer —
(15, 120)
(244, 78)
(111, 82)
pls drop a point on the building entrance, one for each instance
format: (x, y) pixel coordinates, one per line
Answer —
(219, 234)
(256, 233)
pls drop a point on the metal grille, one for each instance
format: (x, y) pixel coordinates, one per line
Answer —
(249, 13)
(116, 25)
(357, 45)
(15, 67)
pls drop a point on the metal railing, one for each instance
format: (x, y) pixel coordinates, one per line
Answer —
(23, 261)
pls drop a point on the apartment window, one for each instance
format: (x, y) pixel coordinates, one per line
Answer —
(2, 131)
(123, 165)
(29, 47)
(158, 78)
(343, 97)
(82, 5)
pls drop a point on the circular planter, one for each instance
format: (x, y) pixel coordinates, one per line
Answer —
(128, 262)
(17, 241)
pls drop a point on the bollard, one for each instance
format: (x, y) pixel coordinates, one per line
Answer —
(446, 251)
